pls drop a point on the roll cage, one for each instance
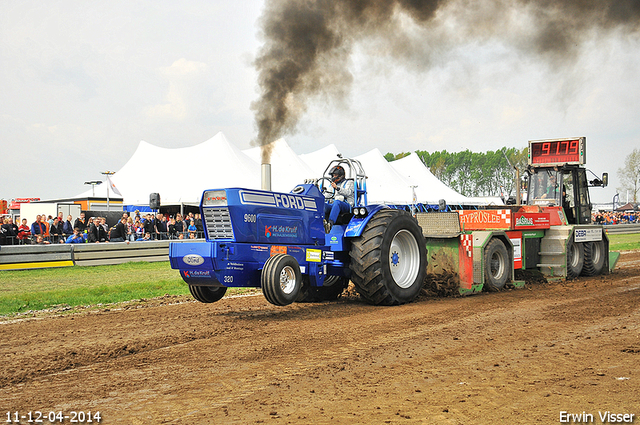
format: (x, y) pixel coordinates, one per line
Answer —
(353, 171)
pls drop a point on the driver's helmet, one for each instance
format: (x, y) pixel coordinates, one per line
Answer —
(337, 174)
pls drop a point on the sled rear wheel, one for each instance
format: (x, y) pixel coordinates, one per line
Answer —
(575, 259)
(594, 258)
(496, 269)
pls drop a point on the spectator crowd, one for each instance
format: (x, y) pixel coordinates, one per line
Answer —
(609, 217)
(141, 227)
(134, 228)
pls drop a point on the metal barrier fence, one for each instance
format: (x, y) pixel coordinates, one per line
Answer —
(622, 228)
(60, 239)
(32, 255)
(22, 257)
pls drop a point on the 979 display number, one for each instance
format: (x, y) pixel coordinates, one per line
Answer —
(53, 417)
(557, 151)
(567, 147)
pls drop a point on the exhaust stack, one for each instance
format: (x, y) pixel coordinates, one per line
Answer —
(266, 176)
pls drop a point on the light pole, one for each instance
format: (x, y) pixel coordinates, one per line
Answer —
(108, 173)
(93, 184)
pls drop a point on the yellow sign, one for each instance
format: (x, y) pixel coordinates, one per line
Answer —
(314, 255)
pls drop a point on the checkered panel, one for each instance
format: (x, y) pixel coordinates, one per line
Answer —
(505, 215)
(467, 244)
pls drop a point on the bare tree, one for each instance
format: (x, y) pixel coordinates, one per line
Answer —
(630, 174)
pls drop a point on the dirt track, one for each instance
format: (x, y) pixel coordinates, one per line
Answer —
(519, 356)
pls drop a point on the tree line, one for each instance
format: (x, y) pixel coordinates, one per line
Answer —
(489, 173)
(630, 175)
(474, 173)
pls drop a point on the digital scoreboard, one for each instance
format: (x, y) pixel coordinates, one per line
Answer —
(557, 151)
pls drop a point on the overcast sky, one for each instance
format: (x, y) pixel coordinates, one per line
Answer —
(84, 82)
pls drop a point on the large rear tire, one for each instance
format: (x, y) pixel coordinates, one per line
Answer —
(389, 260)
(496, 270)
(575, 259)
(594, 258)
(207, 294)
(281, 279)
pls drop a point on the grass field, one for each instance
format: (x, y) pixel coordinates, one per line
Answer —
(26, 290)
(33, 290)
(624, 242)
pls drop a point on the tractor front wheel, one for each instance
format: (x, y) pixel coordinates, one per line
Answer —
(207, 294)
(281, 279)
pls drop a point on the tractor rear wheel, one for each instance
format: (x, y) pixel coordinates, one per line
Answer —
(594, 258)
(207, 294)
(389, 259)
(281, 279)
(496, 271)
(575, 259)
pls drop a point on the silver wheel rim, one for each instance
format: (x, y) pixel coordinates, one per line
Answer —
(496, 265)
(287, 280)
(573, 255)
(404, 259)
(596, 252)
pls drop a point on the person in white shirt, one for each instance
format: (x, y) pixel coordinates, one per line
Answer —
(343, 198)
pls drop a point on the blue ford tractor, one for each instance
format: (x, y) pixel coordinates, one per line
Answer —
(277, 242)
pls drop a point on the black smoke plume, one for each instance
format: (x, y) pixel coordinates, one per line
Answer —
(308, 43)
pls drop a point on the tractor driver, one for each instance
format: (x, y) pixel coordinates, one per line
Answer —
(343, 198)
(552, 188)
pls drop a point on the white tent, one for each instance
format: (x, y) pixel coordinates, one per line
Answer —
(384, 184)
(318, 160)
(485, 200)
(98, 191)
(181, 175)
(429, 190)
(287, 169)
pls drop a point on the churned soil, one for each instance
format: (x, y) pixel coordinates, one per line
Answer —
(516, 356)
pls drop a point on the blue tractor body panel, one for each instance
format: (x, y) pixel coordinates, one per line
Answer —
(337, 240)
(281, 243)
(270, 217)
(356, 225)
(234, 264)
(244, 227)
